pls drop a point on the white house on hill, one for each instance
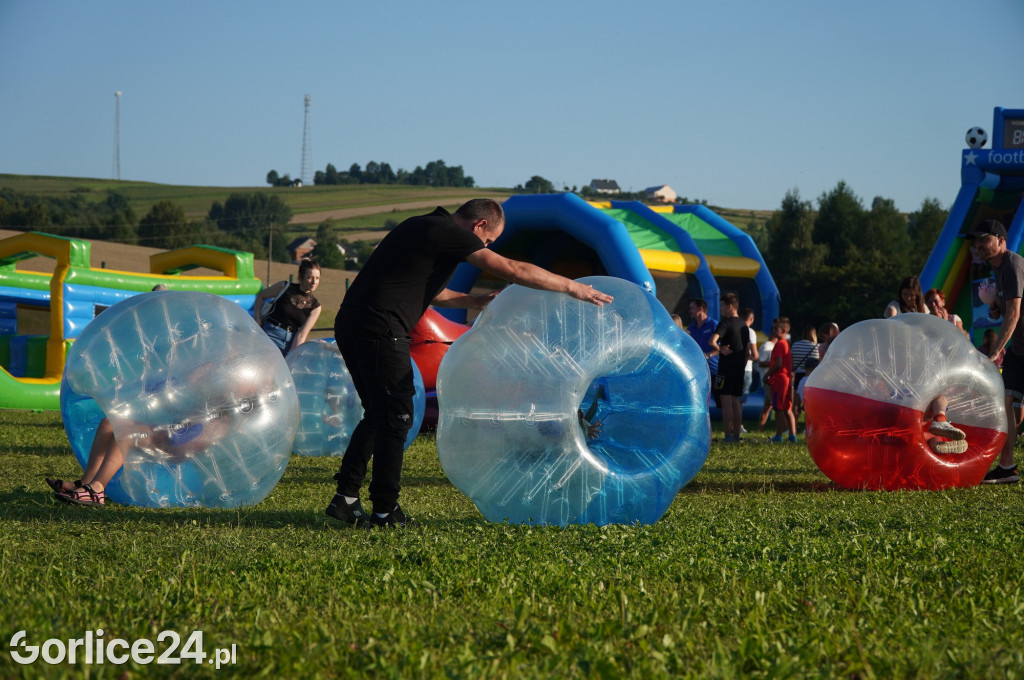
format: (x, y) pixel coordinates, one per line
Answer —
(662, 193)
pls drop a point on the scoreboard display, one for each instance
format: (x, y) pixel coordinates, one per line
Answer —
(1008, 129)
(1013, 133)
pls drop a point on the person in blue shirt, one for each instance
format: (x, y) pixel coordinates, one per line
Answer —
(702, 329)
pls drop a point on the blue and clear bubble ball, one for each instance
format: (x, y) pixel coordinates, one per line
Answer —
(328, 403)
(200, 401)
(515, 390)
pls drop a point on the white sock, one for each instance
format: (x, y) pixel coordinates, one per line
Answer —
(349, 499)
(381, 515)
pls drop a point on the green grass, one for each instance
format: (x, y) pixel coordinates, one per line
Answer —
(760, 568)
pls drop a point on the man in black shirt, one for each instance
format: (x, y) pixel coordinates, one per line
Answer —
(731, 340)
(407, 273)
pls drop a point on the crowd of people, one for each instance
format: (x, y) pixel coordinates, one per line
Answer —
(409, 271)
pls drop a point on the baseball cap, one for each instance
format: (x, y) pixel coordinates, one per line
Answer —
(985, 228)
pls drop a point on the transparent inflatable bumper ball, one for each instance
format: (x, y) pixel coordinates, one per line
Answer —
(869, 407)
(555, 411)
(200, 401)
(328, 403)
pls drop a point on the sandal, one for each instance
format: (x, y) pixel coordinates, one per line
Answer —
(83, 495)
(58, 484)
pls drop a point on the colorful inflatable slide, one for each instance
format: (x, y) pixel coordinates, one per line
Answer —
(31, 364)
(992, 187)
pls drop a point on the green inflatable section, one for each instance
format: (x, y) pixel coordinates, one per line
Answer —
(644, 235)
(709, 241)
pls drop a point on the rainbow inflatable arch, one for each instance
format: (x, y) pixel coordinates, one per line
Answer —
(992, 187)
(31, 364)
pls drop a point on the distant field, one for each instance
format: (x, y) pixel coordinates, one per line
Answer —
(353, 208)
(196, 201)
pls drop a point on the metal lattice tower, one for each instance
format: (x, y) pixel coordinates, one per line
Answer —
(117, 135)
(305, 174)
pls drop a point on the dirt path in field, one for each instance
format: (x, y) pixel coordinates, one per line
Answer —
(317, 217)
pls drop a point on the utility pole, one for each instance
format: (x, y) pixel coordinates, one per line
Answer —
(117, 135)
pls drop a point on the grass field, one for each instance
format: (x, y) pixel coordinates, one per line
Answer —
(760, 568)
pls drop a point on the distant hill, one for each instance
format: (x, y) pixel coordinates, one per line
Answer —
(353, 207)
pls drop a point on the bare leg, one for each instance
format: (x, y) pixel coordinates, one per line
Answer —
(765, 410)
(105, 458)
(937, 407)
(936, 412)
(791, 418)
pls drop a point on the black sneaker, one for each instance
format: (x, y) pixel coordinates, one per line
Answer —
(395, 518)
(1001, 475)
(349, 513)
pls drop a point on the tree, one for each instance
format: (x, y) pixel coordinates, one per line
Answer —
(272, 178)
(165, 226)
(840, 218)
(923, 229)
(794, 259)
(539, 185)
(326, 251)
(255, 219)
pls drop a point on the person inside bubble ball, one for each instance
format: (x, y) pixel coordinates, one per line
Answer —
(908, 299)
(988, 242)
(172, 443)
(294, 311)
(105, 459)
(946, 437)
(406, 273)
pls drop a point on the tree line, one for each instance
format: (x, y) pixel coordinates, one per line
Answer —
(245, 221)
(833, 260)
(435, 174)
(840, 260)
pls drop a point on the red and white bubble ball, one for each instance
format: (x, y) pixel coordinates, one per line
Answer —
(868, 406)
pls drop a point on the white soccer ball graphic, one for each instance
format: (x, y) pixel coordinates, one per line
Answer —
(976, 138)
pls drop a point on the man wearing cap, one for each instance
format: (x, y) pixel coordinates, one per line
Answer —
(988, 242)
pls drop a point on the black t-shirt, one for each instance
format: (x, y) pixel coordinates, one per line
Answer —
(732, 332)
(406, 271)
(294, 307)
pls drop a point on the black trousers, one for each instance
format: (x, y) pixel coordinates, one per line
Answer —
(381, 371)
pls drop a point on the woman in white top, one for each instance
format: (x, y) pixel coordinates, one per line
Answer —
(936, 301)
(801, 351)
(908, 298)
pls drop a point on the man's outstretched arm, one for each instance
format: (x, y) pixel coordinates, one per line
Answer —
(532, 276)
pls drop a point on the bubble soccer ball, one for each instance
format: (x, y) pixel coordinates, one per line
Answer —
(201, 402)
(866, 403)
(511, 390)
(976, 138)
(328, 403)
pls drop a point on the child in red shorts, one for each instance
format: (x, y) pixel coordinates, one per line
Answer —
(780, 377)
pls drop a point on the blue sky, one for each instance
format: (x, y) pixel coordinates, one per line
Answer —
(735, 102)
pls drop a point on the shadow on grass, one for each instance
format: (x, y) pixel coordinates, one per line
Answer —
(25, 505)
(763, 486)
(317, 476)
(56, 451)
